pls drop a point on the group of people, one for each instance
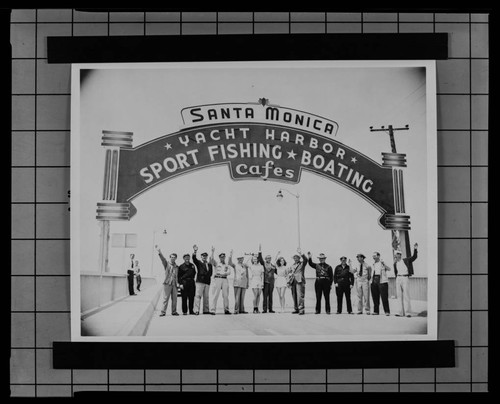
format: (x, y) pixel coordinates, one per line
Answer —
(133, 272)
(262, 275)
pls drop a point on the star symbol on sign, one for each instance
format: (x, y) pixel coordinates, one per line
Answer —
(168, 146)
(291, 154)
(263, 101)
(354, 159)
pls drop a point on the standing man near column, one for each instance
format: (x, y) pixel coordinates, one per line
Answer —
(403, 270)
(170, 284)
(269, 271)
(298, 282)
(380, 284)
(362, 273)
(344, 281)
(137, 273)
(240, 283)
(222, 270)
(323, 283)
(203, 277)
(130, 275)
(186, 276)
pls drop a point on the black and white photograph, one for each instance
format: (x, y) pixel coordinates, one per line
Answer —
(254, 201)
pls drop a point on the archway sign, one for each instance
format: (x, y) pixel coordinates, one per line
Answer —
(256, 141)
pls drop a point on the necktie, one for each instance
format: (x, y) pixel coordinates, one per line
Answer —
(361, 270)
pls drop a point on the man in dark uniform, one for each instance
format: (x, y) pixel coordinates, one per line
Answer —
(344, 281)
(186, 274)
(324, 279)
(269, 271)
(203, 277)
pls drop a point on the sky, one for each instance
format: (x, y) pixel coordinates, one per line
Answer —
(207, 207)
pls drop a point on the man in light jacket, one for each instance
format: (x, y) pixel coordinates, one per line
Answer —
(170, 284)
(240, 283)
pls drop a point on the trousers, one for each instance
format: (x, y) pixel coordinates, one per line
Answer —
(343, 289)
(202, 291)
(322, 288)
(298, 292)
(403, 293)
(267, 295)
(380, 291)
(239, 299)
(169, 293)
(187, 295)
(130, 280)
(363, 289)
(218, 285)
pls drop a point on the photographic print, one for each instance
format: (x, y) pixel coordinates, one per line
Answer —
(254, 201)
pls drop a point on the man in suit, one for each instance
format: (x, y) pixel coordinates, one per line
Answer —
(380, 284)
(403, 270)
(269, 271)
(344, 281)
(186, 275)
(130, 276)
(203, 277)
(323, 283)
(170, 284)
(240, 283)
(298, 282)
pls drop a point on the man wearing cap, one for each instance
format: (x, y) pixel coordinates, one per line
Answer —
(170, 284)
(269, 271)
(186, 274)
(221, 271)
(362, 273)
(344, 281)
(240, 283)
(324, 280)
(203, 277)
(403, 270)
(380, 284)
(298, 284)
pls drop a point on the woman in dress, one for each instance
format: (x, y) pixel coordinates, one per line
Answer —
(281, 280)
(256, 273)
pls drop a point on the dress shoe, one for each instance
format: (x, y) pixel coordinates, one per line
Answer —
(212, 313)
(243, 312)
(316, 312)
(301, 313)
(206, 312)
(175, 314)
(227, 312)
(192, 312)
(338, 312)
(264, 311)
(387, 314)
(295, 312)
(408, 315)
(272, 311)
(162, 314)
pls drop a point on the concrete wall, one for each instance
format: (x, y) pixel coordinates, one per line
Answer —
(111, 287)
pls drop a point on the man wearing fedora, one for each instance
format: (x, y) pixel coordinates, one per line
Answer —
(363, 272)
(344, 281)
(221, 271)
(186, 274)
(298, 284)
(324, 280)
(203, 277)
(403, 270)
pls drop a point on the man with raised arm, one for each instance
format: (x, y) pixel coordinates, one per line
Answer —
(203, 278)
(170, 284)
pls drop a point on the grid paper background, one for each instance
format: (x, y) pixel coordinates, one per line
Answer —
(40, 216)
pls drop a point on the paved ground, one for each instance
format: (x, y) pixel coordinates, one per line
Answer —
(273, 325)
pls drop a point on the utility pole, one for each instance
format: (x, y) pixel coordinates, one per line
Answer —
(399, 221)
(390, 129)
